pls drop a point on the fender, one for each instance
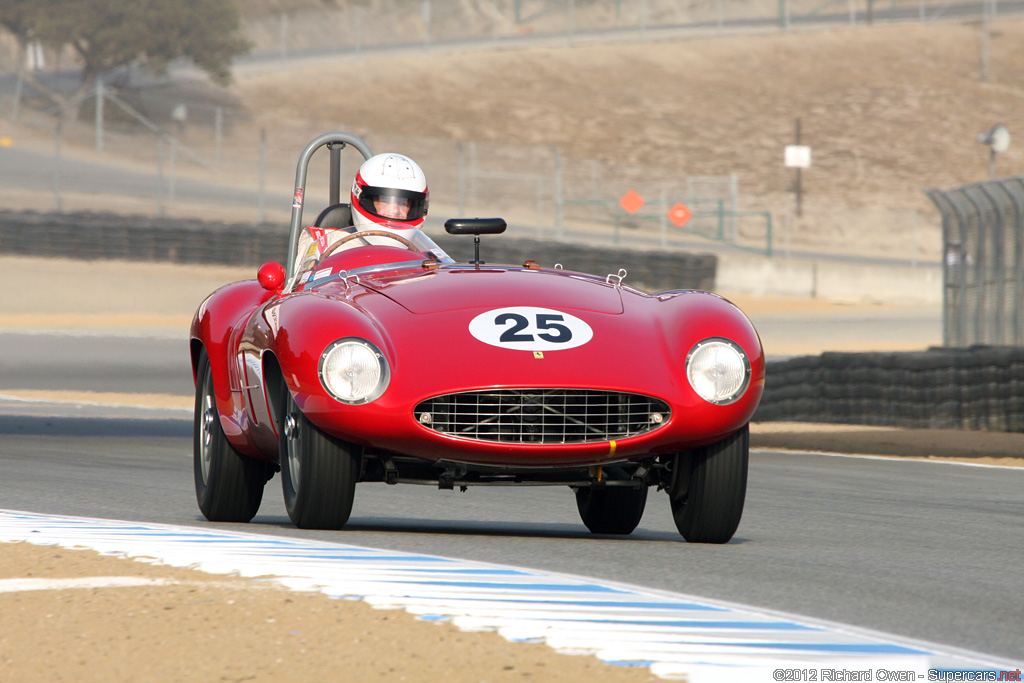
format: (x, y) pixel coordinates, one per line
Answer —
(303, 322)
(683, 317)
(285, 331)
(217, 326)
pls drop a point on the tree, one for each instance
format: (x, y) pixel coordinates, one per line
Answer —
(109, 34)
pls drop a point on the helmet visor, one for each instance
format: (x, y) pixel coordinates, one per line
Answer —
(393, 204)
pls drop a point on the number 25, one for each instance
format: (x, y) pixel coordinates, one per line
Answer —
(556, 333)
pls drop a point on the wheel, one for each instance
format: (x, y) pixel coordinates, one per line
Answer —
(708, 489)
(229, 485)
(318, 472)
(611, 509)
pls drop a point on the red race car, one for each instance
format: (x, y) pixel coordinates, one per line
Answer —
(374, 357)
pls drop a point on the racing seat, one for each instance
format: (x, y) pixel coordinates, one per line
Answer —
(335, 216)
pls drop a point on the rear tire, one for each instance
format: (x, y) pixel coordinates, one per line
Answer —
(318, 472)
(709, 487)
(229, 485)
(611, 509)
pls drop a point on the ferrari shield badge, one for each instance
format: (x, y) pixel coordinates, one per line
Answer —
(528, 328)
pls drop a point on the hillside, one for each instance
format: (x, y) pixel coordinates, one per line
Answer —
(889, 110)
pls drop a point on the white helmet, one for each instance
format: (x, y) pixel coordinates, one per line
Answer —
(389, 191)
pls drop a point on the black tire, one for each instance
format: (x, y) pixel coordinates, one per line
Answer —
(318, 472)
(229, 485)
(709, 488)
(611, 509)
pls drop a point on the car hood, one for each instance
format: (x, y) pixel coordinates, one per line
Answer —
(462, 329)
(452, 289)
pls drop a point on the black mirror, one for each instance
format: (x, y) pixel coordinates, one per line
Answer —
(475, 226)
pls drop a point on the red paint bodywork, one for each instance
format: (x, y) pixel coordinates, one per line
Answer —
(419, 318)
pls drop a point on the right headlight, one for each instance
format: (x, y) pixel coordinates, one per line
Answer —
(718, 370)
(354, 371)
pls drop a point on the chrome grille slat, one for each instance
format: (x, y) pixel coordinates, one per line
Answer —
(542, 416)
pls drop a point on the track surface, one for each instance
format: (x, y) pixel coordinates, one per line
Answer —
(923, 550)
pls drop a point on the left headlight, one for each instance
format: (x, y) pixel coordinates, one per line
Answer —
(718, 370)
(353, 370)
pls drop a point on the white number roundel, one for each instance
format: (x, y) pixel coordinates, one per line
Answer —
(528, 328)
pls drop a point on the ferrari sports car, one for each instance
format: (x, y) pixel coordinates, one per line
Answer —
(379, 359)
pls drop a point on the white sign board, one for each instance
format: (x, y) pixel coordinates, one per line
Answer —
(798, 156)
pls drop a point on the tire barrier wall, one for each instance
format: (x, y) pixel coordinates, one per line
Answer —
(136, 238)
(976, 387)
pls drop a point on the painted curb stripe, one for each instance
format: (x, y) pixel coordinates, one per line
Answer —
(676, 635)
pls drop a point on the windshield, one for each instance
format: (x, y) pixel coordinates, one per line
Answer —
(417, 237)
(314, 243)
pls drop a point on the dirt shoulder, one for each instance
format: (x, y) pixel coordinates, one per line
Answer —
(184, 625)
(973, 447)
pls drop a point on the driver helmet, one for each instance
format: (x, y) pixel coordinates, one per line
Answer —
(390, 191)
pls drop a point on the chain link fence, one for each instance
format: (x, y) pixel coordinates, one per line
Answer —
(983, 265)
(199, 168)
(391, 23)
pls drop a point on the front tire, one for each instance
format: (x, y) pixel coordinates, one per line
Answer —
(318, 472)
(611, 509)
(229, 485)
(709, 487)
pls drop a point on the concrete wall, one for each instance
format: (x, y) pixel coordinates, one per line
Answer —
(832, 280)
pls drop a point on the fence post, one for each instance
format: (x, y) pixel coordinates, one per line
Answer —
(262, 214)
(284, 35)
(56, 164)
(99, 114)
(961, 273)
(172, 176)
(997, 270)
(218, 135)
(472, 173)
(19, 86)
(1018, 259)
(427, 12)
(663, 218)
(540, 207)
(914, 240)
(979, 275)
(721, 221)
(734, 204)
(559, 198)
(462, 178)
(160, 176)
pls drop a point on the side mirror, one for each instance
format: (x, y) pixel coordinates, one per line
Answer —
(271, 276)
(475, 226)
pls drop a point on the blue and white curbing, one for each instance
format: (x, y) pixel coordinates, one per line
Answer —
(678, 636)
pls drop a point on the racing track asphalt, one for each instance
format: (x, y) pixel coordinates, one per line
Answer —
(919, 549)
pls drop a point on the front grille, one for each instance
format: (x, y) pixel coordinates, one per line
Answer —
(542, 416)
